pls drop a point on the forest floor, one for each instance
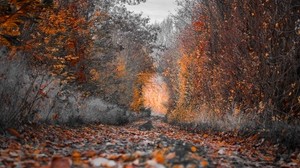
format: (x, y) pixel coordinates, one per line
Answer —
(128, 146)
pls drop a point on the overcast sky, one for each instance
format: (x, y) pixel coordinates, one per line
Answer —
(157, 10)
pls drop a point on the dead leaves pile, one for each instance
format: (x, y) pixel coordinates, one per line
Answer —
(111, 146)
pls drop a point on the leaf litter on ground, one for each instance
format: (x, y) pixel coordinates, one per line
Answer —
(129, 146)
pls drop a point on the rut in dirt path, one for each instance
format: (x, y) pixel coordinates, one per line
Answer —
(162, 145)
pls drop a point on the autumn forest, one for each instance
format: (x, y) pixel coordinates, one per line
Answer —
(90, 83)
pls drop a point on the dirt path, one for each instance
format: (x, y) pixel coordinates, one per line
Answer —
(127, 146)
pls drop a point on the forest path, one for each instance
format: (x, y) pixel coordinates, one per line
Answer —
(127, 146)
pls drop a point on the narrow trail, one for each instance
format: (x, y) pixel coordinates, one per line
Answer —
(127, 146)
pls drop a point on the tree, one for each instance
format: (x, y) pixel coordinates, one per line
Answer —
(91, 47)
(237, 57)
(14, 15)
(129, 40)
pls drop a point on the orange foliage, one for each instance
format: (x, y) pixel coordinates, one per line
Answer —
(232, 61)
(62, 32)
(95, 75)
(138, 100)
(156, 95)
(184, 75)
(58, 37)
(12, 16)
(191, 65)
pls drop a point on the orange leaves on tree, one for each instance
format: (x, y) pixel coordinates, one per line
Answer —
(198, 25)
(156, 95)
(95, 75)
(4, 41)
(73, 60)
(62, 40)
(138, 100)
(15, 15)
(81, 76)
(10, 28)
(71, 44)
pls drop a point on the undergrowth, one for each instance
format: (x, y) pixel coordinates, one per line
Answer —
(244, 125)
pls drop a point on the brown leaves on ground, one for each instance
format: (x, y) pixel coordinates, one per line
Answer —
(14, 133)
(111, 146)
(60, 162)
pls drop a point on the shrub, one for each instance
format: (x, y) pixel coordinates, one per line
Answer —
(20, 92)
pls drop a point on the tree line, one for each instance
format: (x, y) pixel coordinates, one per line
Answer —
(98, 48)
(233, 58)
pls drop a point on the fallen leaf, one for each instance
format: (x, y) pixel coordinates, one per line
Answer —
(295, 161)
(60, 162)
(36, 152)
(98, 162)
(191, 165)
(90, 153)
(103, 162)
(204, 163)
(14, 133)
(13, 154)
(128, 166)
(154, 164)
(76, 157)
(111, 163)
(221, 151)
(268, 158)
(136, 162)
(113, 157)
(138, 154)
(178, 166)
(171, 156)
(127, 158)
(159, 157)
(292, 164)
(193, 149)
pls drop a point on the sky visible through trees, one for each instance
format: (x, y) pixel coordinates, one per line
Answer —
(157, 10)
